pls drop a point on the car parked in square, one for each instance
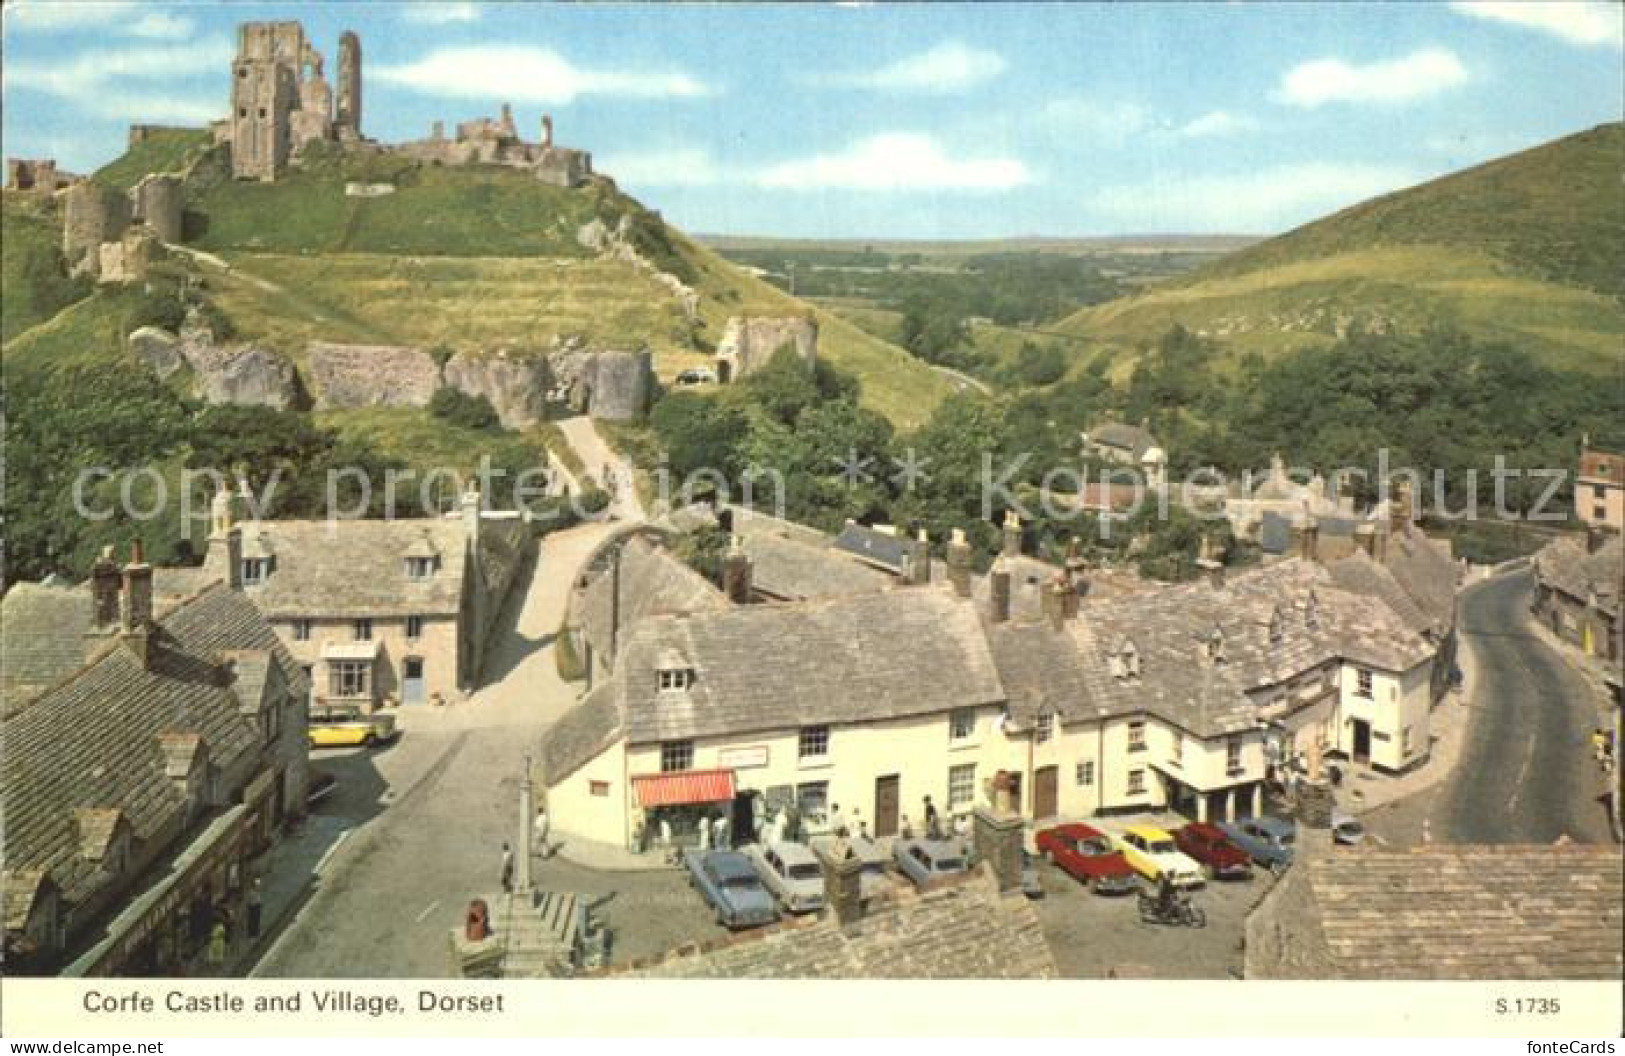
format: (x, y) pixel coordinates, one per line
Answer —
(1085, 854)
(791, 872)
(1151, 852)
(1220, 858)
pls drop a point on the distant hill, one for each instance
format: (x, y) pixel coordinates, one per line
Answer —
(1529, 249)
(477, 257)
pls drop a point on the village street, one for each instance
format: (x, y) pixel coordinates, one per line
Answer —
(1525, 774)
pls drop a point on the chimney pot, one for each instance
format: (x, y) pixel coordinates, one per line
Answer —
(999, 592)
(1012, 534)
(998, 832)
(843, 880)
(736, 573)
(959, 563)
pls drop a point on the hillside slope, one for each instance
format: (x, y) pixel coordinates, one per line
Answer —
(1528, 249)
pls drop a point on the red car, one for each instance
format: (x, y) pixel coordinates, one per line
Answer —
(1086, 854)
(1221, 859)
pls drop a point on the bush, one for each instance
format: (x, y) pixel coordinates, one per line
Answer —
(159, 307)
(461, 409)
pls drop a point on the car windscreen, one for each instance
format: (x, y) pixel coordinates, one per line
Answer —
(1287, 837)
(808, 871)
(945, 865)
(1161, 847)
(740, 882)
(1094, 847)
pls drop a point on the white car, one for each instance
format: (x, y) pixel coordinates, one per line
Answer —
(1151, 852)
(791, 872)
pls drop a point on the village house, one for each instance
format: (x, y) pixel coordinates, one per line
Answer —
(1130, 446)
(377, 611)
(1577, 591)
(1599, 488)
(153, 749)
(1192, 697)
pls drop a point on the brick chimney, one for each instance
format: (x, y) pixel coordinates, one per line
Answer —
(1074, 572)
(1399, 508)
(225, 554)
(843, 880)
(921, 569)
(998, 828)
(1012, 534)
(1054, 600)
(137, 623)
(998, 591)
(736, 573)
(1306, 536)
(105, 585)
(959, 563)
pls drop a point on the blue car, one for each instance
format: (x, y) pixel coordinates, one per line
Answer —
(1268, 841)
(924, 861)
(729, 884)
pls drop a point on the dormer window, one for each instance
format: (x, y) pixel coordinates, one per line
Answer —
(256, 570)
(1125, 662)
(676, 679)
(420, 568)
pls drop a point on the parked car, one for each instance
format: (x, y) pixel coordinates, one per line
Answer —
(729, 884)
(923, 861)
(343, 729)
(1085, 854)
(1209, 845)
(1268, 840)
(791, 872)
(1347, 829)
(1150, 851)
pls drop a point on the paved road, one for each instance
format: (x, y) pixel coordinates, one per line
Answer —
(424, 819)
(1525, 774)
(595, 456)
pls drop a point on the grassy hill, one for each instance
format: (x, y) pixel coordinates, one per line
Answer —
(34, 283)
(1529, 249)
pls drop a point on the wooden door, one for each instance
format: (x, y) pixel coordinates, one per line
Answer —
(887, 799)
(1046, 791)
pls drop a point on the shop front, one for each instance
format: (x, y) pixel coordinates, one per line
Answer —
(677, 806)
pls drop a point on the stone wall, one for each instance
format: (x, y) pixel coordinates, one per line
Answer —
(159, 204)
(343, 376)
(612, 385)
(92, 214)
(749, 342)
(238, 373)
(517, 385)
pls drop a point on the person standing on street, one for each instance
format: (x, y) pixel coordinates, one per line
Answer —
(540, 831)
(507, 868)
(933, 823)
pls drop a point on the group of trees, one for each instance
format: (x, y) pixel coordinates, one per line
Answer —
(1434, 402)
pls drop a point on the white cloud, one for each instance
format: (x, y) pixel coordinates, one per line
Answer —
(949, 67)
(895, 161)
(431, 13)
(1214, 124)
(115, 17)
(107, 82)
(1585, 24)
(1112, 122)
(529, 75)
(1416, 76)
(666, 167)
(1258, 202)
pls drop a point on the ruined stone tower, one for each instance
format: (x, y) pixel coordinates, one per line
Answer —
(347, 120)
(264, 91)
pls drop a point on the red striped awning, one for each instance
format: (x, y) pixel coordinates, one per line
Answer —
(684, 786)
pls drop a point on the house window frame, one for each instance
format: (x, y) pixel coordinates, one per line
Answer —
(961, 787)
(812, 801)
(675, 679)
(343, 675)
(1044, 730)
(420, 569)
(812, 743)
(1136, 735)
(1135, 779)
(255, 571)
(1083, 773)
(676, 756)
(599, 789)
(961, 725)
(361, 629)
(301, 630)
(1365, 681)
(1232, 755)
(414, 627)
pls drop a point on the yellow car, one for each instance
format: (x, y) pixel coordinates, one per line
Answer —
(346, 729)
(1150, 851)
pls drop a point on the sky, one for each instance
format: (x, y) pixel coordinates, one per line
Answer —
(894, 121)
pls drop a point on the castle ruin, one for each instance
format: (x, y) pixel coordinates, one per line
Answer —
(40, 176)
(496, 141)
(280, 101)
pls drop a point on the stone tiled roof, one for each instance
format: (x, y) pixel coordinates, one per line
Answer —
(1028, 576)
(22, 889)
(1169, 630)
(1450, 912)
(1133, 440)
(580, 734)
(1425, 569)
(1360, 574)
(882, 549)
(963, 930)
(747, 524)
(652, 582)
(41, 638)
(793, 571)
(94, 740)
(1043, 668)
(342, 569)
(909, 651)
(1565, 566)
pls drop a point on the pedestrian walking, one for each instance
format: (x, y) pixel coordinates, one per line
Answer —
(933, 823)
(719, 832)
(540, 830)
(507, 868)
(256, 900)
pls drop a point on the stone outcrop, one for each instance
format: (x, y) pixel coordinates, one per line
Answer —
(749, 342)
(158, 349)
(616, 243)
(516, 384)
(345, 376)
(612, 385)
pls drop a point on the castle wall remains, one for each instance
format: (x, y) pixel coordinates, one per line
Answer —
(92, 214)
